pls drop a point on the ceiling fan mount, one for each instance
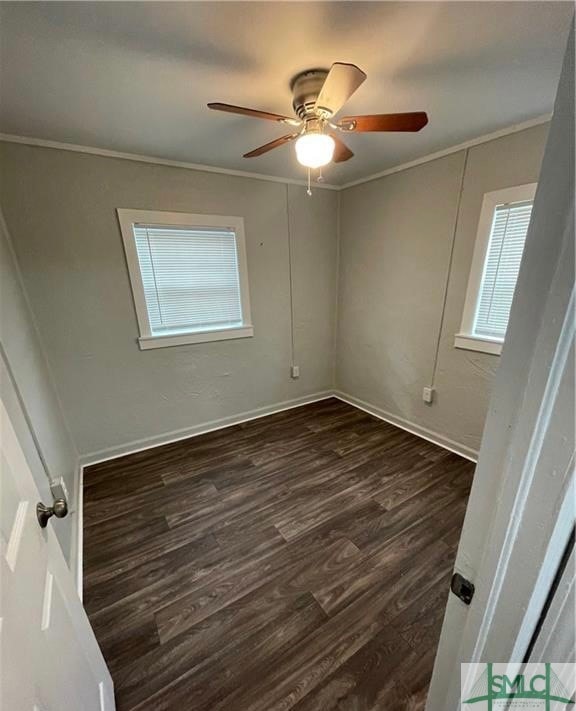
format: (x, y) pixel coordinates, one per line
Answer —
(318, 95)
(306, 87)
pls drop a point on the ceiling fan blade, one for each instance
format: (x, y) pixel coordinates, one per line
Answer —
(384, 122)
(256, 113)
(341, 151)
(269, 146)
(341, 82)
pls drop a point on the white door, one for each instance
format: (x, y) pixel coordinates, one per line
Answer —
(522, 504)
(555, 639)
(50, 660)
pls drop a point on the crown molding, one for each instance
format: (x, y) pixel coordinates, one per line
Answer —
(104, 152)
(515, 128)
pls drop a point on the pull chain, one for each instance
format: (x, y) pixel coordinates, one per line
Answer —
(309, 191)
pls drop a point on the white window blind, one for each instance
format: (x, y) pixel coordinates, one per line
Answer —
(190, 278)
(505, 247)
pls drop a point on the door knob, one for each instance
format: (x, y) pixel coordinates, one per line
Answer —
(44, 513)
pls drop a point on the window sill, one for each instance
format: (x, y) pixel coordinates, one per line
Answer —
(474, 343)
(181, 339)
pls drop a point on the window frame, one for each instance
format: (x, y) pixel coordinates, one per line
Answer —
(127, 218)
(466, 338)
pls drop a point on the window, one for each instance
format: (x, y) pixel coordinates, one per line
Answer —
(188, 276)
(502, 230)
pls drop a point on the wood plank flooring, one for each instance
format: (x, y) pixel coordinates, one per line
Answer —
(299, 561)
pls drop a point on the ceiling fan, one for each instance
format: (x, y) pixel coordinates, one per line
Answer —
(319, 94)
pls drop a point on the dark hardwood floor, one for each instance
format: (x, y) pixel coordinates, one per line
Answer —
(299, 561)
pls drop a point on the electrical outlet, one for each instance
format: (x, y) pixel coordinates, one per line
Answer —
(295, 372)
(428, 394)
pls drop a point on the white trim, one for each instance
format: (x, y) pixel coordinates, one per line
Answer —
(180, 339)
(528, 442)
(79, 557)
(75, 506)
(47, 601)
(140, 445)
(514, 128)
(106, 153)
(413, 428)
(104, 455)
(101, 696)
(554, 377)
(556, 547)
(556, 635)
(16, 533)
(475, 343)
(127, 219)
(466, 337)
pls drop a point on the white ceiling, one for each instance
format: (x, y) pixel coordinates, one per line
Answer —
(136, 76)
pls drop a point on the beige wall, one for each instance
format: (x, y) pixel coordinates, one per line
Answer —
(60, 208)
(397, 265)
(406, 243)
(26, 378)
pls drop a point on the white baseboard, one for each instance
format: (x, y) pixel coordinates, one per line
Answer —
(175, 436)
(140, 445)
(423, 432)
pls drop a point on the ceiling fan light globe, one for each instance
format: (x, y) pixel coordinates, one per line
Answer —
(314, 150)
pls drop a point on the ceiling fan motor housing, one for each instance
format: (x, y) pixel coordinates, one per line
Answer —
(305, 88)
